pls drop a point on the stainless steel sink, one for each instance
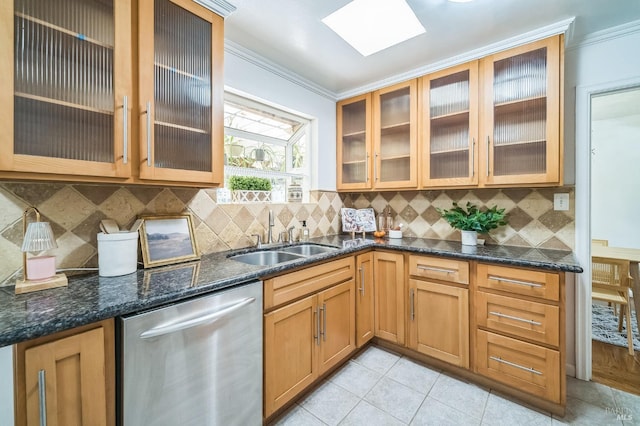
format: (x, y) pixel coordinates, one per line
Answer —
(266, 257)
(308, 249)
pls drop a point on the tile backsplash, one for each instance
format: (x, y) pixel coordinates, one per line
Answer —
(75, 211)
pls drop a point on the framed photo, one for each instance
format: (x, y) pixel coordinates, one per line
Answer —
(167, 239)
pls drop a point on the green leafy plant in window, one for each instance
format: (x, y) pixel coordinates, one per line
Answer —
(474, 219)
(249, 183)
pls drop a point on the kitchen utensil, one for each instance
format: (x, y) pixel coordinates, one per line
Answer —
(109, 226)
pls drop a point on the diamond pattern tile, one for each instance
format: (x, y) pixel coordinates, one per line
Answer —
(75, 210)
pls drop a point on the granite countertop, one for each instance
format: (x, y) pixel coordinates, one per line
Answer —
(91, 298)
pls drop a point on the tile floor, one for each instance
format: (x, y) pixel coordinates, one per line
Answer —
(382, 388)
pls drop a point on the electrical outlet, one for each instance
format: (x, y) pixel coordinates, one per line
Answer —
(561, 201)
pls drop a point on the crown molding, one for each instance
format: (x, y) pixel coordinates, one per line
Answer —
(612, 33)
(528, 37)
(252, 57)
(221, 7)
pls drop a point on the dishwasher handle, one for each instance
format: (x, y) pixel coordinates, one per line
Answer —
(207, 317)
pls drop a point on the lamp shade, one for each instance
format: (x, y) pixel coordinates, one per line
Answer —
(39, 237)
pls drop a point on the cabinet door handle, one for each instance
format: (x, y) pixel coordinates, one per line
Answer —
(316, 313)
(125, 132)
(513, 364)
(528, 321)
(431, 268)
(488, 142)
(375, 166)
(366, 168)
(42, 395)
(518, 282)
(361, 269)
(412, 299)
(473, 157)
(149, 133)
(324, 322)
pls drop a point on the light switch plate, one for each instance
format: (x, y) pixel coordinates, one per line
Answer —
(561, 202)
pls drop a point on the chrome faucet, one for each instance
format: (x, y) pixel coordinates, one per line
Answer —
(270, 231)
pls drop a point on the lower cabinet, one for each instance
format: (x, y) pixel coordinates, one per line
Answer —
(389, 284)
(364, 299)
(67, 378)
(306, 338)
(438, 320)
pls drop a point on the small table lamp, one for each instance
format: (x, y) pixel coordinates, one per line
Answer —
(39, 272)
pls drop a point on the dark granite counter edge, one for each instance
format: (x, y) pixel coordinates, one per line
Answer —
(20, 329)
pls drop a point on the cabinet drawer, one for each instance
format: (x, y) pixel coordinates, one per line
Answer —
(524, 366)
(519, 281)
(522, 318)
(439, 268)
(288, 287)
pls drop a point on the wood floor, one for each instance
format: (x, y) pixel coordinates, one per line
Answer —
(613, 366)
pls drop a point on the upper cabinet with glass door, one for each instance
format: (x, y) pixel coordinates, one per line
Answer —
(354, 143)
(395, 136)
(65, 87)
(449, 114)
(181, 92)
(521, 115)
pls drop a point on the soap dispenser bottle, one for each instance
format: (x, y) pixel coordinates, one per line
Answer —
(304, 235)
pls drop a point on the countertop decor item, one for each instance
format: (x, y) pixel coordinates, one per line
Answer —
(168, 239)
(358, 220)
(473, 220)
(40, 271)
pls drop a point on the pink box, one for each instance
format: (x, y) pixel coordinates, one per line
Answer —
(40, 268)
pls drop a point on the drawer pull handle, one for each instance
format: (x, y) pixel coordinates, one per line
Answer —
(361, 269)
(412, 298)
(431, 268)
(506, 280)
(316, 313)
(125, 131)
(528, 321)
(513, 364)
(42, 397)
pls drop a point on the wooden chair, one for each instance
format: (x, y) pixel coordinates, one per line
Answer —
(610, 282)
(604, 243)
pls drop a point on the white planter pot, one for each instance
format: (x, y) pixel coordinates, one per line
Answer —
(238, 196)
(469, 238)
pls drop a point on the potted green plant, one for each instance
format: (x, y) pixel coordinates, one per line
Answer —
(473, 220)
(248, 189)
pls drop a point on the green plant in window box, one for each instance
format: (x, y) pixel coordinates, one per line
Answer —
(473, 220)
(248, 189)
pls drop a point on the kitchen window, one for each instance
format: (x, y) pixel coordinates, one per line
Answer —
(267, 142)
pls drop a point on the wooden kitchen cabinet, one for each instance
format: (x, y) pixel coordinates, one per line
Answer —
(74, 371)
(395, 136)
(364, 298)
(71, 110)
(438, 320)
(354, 148)
(389, 302)
(449, 133)
(304, 338)
(521, 115)
(519, 329)
(66, 88)
(181, 92)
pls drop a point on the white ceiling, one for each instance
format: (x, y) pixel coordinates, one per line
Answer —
(290, 34)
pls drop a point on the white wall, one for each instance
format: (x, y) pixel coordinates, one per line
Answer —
(6, 385)
(615, 180)
(603, 61)
(248, 77)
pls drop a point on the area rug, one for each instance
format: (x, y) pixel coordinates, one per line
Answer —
(604, 327)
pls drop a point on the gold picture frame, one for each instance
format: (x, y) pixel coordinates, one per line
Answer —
(167, 239)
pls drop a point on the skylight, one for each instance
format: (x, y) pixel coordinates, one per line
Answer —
(373, 25)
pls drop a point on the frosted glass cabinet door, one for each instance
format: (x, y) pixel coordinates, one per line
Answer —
(450, 127)
(66, 87)
(354, 143)
(181, 45)
(521, 134)
(395, 136)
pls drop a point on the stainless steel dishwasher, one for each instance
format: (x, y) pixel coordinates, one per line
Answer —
(197, 362)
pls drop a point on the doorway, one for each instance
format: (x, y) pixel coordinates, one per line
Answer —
(615, 203)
